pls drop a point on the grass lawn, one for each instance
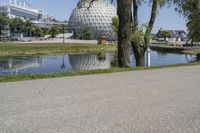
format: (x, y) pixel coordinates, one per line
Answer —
(12, 78)
(193, 51)
(12, 49)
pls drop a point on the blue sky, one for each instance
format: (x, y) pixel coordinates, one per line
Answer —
(61, 10)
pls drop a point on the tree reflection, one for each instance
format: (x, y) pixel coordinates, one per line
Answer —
(63, 66)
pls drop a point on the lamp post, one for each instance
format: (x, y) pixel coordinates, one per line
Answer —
(148, 57)
(63, 33)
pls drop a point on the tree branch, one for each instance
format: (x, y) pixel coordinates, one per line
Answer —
(151, 23)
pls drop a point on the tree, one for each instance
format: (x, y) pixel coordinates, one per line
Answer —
(28, 28)
(39, 32)
(115, 24)
(164, 34)
(4, 24)
(87, 33)
(76, 35)
(16, 24)
(191, 11)
(139, 48)
(45, 31)
(124, 32)
(126, 15)
(54, 31)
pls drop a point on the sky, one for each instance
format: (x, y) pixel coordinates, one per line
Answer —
(167, 18)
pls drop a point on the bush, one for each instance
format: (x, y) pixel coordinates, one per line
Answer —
(87, 33)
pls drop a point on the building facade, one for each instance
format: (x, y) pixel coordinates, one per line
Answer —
(21, 9)
(25, 11)
(175, 36)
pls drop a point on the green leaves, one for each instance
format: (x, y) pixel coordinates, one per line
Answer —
(115, 24)
(54, 31)
(164, 34)
(138, 36)
(191, 10)
(88, 33)
(4, 22)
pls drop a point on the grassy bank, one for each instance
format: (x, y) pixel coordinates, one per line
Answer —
(12, 78)
(33, 49)
(192, 51)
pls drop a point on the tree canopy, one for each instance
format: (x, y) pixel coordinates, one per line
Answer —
(163, 34)
(87, 33)
(115, 24)
(191, 11)
(18, 25)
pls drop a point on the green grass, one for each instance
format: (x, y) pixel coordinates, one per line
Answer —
(192, 51)
(33, 49)
(20, 77)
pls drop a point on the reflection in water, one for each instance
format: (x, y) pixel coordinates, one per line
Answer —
(162, 54)
(198, 57)
(63, 66)
(90, 62)
(190, 58)
(12, 65)
(165, 58)
(79, 62)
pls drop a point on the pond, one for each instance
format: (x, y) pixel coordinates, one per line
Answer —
(79, 62)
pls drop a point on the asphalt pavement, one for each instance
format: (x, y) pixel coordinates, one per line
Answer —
(150, 101)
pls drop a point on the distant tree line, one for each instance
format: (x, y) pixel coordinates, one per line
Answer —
(26, 27)
(163, 34)
(87, 33)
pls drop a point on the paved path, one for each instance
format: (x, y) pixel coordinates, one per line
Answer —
(69, 41)
(152, 101)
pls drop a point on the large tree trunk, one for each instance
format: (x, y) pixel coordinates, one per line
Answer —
(124, 32)
(139, 53)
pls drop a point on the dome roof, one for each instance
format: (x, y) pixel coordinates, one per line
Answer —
(98, 16)
(90, 62)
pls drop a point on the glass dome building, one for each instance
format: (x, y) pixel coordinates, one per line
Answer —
(98, 16)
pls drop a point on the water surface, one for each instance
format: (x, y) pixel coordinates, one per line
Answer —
(79, 62)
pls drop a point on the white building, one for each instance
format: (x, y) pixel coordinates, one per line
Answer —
(98, 16)
(175, 36)
(22, 9)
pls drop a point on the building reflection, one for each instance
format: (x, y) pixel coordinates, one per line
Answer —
(90, 61)
(12, 65)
